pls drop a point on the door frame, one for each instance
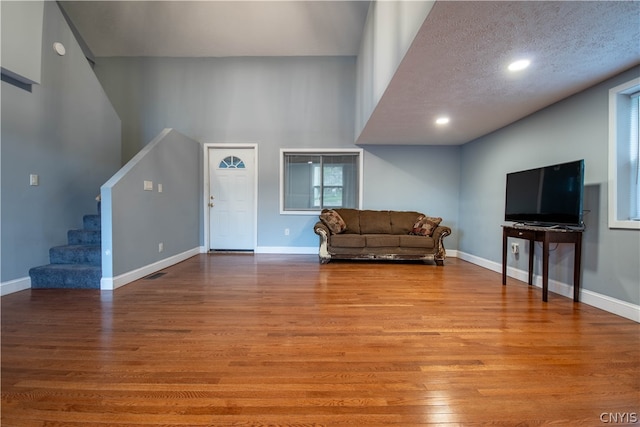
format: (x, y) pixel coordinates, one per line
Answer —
(207, 147)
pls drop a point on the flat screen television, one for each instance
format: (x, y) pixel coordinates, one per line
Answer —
(546, 196)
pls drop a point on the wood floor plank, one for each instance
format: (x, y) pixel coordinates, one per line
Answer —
(280, 340)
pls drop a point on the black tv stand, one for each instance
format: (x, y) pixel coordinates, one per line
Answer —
(546, 235)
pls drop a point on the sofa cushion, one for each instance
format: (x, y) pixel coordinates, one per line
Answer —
(382, 240)
(412, 241)
(402, 222)
(375, 222)
(333, 221)
(425, 225)
(351, 217)
(346, 240)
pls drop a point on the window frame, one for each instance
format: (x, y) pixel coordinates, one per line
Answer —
(320, 152)
(619, 105)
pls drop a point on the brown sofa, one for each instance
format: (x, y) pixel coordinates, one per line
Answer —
(380, 235)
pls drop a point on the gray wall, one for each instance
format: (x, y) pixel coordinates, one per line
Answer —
(135, 221)
(420, 178)
(575, 128)
(67, 132)
(274, 102)
(22, 20)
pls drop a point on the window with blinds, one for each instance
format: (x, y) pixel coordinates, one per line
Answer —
(315, 180)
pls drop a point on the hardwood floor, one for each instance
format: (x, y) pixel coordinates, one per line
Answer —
(279, 340)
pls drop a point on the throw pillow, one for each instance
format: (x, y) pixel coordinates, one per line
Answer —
(425, 225)
(333, 221)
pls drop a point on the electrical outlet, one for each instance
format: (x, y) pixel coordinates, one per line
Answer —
(286, 231)
(160, 247)
(515, 248)
(34, 179)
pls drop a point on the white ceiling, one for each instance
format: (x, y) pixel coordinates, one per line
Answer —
(456, 64)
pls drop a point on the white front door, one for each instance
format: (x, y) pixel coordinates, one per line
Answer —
(231, 200)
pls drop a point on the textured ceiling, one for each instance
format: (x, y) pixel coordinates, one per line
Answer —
(456, 64)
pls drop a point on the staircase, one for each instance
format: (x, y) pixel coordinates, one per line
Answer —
(77, 265)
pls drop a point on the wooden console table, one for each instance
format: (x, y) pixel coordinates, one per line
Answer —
(545, 235)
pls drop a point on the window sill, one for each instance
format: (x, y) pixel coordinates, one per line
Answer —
(625, 224)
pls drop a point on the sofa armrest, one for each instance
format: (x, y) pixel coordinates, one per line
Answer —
(319, 228)
(439, 234)
(323, 232)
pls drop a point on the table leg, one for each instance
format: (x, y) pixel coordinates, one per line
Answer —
(576, 267)
(504, 257)
(531, 248)
(545, 267)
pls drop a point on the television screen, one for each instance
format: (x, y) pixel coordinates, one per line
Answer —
(551, 195)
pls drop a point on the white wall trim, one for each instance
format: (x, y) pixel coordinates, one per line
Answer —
(284, 151)
(453, 253)
(309, 250)
(111, 283)
(619, 106)
(287, 250)
(603, 302)
(16, 285)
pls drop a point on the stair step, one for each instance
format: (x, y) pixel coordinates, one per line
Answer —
(76, 276)
(91, 222)
(76, 254)
(84, 237)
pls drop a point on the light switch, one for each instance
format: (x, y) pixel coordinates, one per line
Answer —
(159, 188)
(148, 186)
(34, 179)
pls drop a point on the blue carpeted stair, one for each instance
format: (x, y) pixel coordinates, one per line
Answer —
(78, 264)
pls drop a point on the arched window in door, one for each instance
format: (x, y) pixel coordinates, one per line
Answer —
(231, 162)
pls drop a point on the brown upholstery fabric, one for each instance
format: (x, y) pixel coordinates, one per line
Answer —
(402, 222)
(375, 222)
(382, 240)
(385, 235)
(348, 240)
(351, 217)
(408, 241)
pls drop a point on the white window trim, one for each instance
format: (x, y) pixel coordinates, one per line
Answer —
(617, 95)
(284, 151)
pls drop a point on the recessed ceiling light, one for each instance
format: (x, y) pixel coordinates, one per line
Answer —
(442, 120)
(519, 65)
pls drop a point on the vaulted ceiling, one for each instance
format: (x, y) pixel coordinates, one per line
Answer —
(456, 65)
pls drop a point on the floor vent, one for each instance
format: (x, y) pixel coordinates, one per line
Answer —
(154, 276)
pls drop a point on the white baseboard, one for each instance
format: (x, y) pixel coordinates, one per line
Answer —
(287, 250)
(16, 285)
(603, 302)
(451, 253)
(111, 283)
(309, 250)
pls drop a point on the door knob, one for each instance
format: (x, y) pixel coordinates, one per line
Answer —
(211, 205)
